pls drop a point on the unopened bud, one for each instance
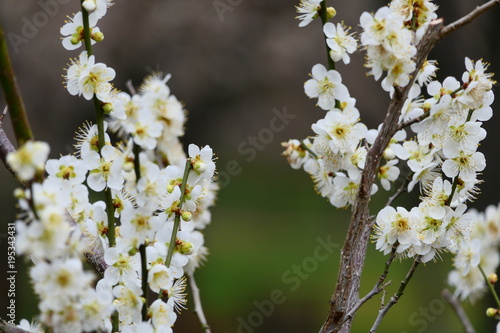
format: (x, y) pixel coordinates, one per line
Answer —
(75, 38)
(97, 36)
(330, 12)
(107, 108)
(19, 193)
(389, 154)
(186, 216)
(493, 278)
(128, 166)
(199, 167)
(170, 188)
(89, 5)
(491, 312)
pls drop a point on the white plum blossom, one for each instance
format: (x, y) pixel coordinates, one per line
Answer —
(308, 10)
(85, 77)
(29, 159)
(341, 43)
(326, 85)
(73, 32)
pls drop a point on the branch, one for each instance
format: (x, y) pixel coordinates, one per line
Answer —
(394, 299)
(457, 307)
(399, 191)
(12, 94)
(197, 303)
(468, 18)
(5, 327)
(6, 147)
(379, 286)
(354, 249)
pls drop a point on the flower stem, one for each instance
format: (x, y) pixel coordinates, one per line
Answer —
(144, 282)
(323, 12)
(490, 286)
(177, 219)
(86, 31)
(99, 114)
(18, 116)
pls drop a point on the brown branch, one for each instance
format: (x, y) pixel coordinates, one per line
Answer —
(354, 250)
(457, 307)
(5, 327)
(468, 18)
(379, 286)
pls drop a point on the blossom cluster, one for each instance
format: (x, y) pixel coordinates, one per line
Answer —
(477, 254)
(137, 207)
(437, 135)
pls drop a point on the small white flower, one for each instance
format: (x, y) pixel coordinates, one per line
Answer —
(202, 160)
(340, 42)
(308, 10)
(326, 85)
(29, 159)
(73, 32)
(85, 77)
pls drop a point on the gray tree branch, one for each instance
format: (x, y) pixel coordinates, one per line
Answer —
(345, 298)
(353, 252)
(5, 327)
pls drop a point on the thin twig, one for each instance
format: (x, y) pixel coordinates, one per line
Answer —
(394, 299)
(198, 309)
(468, 18)
(5, 327)
(379, 286)
(413, 121)
(399, 191)
(459, 311)
(130, 87)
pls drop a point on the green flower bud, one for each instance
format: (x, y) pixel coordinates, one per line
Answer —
(97, 36)
(330, 13)
(75, 38)
(107, 107)
(186, 216)
(491, 312)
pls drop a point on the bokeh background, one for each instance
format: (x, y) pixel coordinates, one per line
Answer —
(232, 68)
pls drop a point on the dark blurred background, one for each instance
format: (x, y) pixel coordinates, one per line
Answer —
(233, 66)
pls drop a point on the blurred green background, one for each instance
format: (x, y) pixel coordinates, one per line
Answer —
(232, 69)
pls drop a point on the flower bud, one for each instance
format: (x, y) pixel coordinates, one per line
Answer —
(184, 247)
(389, 154)
(170, 188)
(491, 312)
(199, 167)
(75, 38)
(493, 278)
(97, 36)
(128, 166)
(89, 5)
(330, 12)
(107, 108)
(19, 193)
(186, 216)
